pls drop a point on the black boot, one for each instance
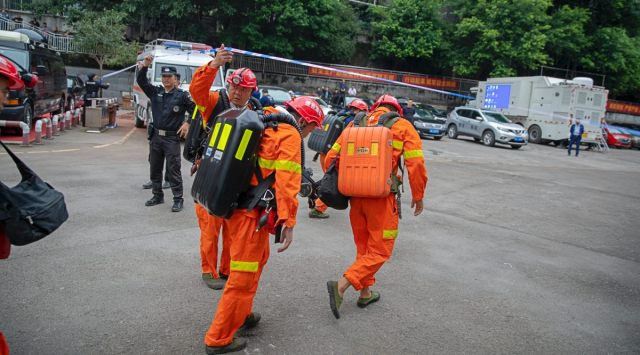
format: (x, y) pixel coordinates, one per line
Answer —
(177, 205)
(166, 185)
(147, 185)
(155, 200)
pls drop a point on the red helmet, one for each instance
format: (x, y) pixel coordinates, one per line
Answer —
(359, 104)
(389, 100)
(308, 108)
(9, 71)
(243, 77)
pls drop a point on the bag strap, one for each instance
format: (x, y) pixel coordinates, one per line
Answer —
(388, 119)
(25, 171)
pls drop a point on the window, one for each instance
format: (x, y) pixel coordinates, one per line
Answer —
(582, 98)
(597, 100)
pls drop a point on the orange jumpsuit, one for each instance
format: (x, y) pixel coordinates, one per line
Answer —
(279, 152)
(374, 221)
(209, 225)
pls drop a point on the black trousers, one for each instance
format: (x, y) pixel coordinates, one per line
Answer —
(168, 148)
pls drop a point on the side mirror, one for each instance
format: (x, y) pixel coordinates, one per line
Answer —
(30, 80)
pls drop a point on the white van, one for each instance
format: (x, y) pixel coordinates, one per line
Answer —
(186, 57)
(543, 105)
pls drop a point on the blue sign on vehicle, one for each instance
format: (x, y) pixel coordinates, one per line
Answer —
(434, 131)
(518, 139)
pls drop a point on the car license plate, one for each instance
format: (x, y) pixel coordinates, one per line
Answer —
(518, 139)
(434, 131)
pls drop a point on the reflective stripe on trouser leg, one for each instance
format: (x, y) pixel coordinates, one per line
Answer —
(375, 224)
(247, 247)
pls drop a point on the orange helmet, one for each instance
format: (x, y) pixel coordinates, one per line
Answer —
(10, 72)
(388, 100)
(307, 108)
(243, 77)
(359, 104)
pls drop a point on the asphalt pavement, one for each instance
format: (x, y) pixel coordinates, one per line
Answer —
(517, 251)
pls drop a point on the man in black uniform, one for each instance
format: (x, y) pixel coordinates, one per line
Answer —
(168, 106)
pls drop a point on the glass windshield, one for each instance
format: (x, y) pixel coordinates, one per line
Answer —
(321, 102)
(496, 117)
(426, 116)
(19, 57)
(185, 71)
(279, 96)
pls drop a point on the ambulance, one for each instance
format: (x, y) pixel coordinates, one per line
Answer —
(544, 105)
(186, 57)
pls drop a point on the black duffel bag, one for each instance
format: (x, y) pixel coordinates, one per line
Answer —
(328, 189)
(32, 209)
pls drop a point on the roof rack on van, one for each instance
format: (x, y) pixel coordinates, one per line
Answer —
(182, 45)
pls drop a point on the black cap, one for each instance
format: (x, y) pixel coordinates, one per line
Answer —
(169, 71)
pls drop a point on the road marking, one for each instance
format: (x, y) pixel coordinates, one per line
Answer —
(119, 141)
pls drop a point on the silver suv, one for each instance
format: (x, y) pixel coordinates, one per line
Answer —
(489, 126)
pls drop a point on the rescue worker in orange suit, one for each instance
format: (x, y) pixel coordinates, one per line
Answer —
(356, 106)
(280, 153)
(374, 221)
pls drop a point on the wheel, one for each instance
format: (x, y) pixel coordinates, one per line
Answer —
(139, 121)
(452, 131)
(437, 138)
(535, 134)
(28, 115)
(516, 146)
(488, 138)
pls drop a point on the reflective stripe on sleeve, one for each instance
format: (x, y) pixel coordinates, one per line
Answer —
(408, 154)
(397, 145)
(284, 165)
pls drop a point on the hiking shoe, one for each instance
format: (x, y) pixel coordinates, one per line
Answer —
(178, 205)
(166, 185)
(223, 276)
(363, 302)
(251, 321)
(155, 200)
(335, 300)
(147, 185)
(236, 345)
(314, 213)
(213, 283)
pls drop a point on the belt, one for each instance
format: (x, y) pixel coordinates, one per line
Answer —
(162, 132)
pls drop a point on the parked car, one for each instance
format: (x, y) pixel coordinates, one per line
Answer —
(323, 105)
(280, 95)
(487, 126)
(75, 92)
(28, 50)
(617, 138)
(434, 111)
(634, 134)
(429, 125)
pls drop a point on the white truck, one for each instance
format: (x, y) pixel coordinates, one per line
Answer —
(186, 57)
(544, 105)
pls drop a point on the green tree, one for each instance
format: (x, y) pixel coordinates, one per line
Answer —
(102, 34)
(567, 38)
(499, 37)
(407, 29)
(315, 29)
(616, 55)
